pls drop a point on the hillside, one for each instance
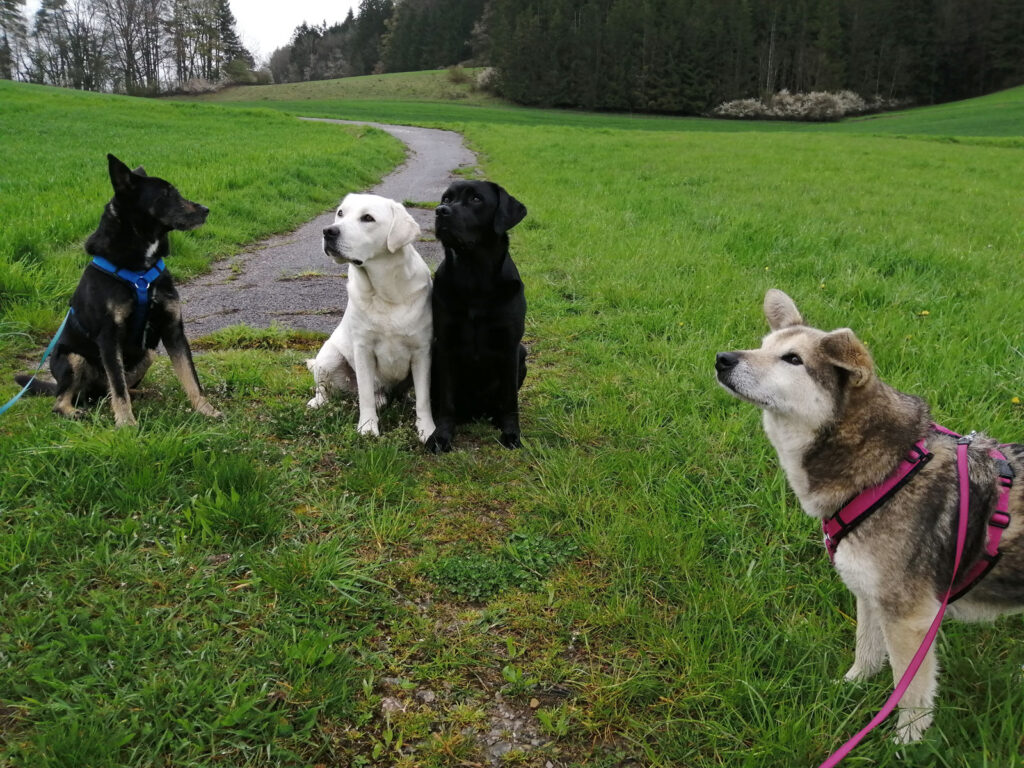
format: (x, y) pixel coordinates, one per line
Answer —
(432, 98)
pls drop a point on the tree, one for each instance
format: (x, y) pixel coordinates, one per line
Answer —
(12, 36)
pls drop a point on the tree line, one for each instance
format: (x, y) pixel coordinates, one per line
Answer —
(672, 56)
(124, 46)
(383, 36)
(686, 56)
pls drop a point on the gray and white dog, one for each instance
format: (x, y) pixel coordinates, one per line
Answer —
(839, 430)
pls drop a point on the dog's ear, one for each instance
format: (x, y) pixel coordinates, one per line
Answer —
(404, 228)
(780, 310)
(140, 171)
(844, 350)
(120, 174)
(509, 211)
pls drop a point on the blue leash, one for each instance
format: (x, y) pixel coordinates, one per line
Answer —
(46, 354)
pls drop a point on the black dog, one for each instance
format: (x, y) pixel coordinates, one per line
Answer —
(478, 363)
(126, 303)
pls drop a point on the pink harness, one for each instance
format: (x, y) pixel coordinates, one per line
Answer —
(861, 506)
(868, 501)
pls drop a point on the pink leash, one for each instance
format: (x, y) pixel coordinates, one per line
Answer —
(929, 638)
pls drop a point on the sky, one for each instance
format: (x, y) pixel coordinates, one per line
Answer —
(266, 25)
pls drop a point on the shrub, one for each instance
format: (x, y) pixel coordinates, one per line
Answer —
(458, 75)
(818, 106)
(487, 80)
(198, 85)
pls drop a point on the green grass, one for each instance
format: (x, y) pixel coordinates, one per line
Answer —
(274, 589)
(430, 85)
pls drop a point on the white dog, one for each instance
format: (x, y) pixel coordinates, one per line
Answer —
(385, 334)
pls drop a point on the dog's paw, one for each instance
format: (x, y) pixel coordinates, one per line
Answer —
(439, 443)
(369, 427)
(317, 401)
(911, 725)
(510, 440)
(424, 429)
(856, 674)
(208, 410)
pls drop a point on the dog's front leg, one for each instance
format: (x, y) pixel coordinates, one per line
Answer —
(117, 384)
(903, 636)
(508, 399)
(421, 383)
(442, 398)
(366, 382)
(869, 655)
(180, 353)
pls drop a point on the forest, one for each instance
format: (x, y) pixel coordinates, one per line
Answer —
(686, 56)
(140, 47)
(667, 56)
(679, 56)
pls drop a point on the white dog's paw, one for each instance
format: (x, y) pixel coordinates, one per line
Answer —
(369, 427)
(912, 724)
(857, 673)
(317, 401)
(425, 428)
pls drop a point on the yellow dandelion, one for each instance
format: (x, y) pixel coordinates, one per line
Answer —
(923, 313)
(1015, 400)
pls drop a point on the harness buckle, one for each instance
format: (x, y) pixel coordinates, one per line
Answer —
(967, 439)
(1000, 520)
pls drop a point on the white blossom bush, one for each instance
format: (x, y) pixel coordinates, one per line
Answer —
(818, 106)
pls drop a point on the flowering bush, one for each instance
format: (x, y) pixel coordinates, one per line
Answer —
(814, 106)
(487, 79)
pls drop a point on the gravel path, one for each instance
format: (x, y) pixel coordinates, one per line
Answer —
(287, 280)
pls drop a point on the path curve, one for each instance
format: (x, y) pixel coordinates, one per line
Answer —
(287, 280)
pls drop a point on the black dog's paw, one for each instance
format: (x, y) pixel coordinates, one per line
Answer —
(439, 443)
(510, 440)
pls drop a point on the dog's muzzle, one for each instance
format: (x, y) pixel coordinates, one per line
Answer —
(332, 247)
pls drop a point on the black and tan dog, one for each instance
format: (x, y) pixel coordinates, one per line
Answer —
(479, 307)
(125, 303)
(838, 431)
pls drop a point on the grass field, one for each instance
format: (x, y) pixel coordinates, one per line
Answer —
(637, 583)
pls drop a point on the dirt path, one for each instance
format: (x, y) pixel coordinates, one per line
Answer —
(288, 280)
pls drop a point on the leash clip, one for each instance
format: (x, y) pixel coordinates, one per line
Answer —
(967, 439)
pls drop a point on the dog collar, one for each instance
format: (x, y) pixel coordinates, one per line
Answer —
(865, 503)
(141, 280)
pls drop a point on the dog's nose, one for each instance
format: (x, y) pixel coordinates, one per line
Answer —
(726, 360)
(443, 210)
(330, 232)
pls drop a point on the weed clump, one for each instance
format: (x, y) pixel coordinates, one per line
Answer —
(523, 561)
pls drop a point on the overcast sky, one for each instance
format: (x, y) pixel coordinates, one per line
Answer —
(265, 25)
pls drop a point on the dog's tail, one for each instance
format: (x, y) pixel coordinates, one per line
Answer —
(36, 387)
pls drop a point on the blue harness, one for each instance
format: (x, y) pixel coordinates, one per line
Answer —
(142, 282)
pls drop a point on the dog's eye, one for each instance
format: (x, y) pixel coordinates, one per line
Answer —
(792, 358)
(367, 218)
(477, 199)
